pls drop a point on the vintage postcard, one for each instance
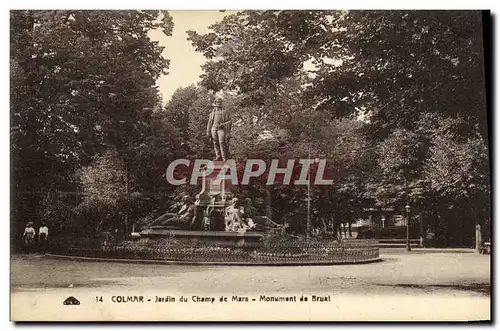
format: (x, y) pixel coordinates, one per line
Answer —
(284, 165)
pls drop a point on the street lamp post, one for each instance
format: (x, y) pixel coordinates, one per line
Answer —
(408, 248)
(308, 227)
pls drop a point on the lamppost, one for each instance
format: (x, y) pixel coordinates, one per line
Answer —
(308, 227)
(408, 248)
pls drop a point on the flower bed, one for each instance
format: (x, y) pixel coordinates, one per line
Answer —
(270, 251)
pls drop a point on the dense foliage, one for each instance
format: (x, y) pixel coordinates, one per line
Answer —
(414, 79)
(82, 85)
(395, 100)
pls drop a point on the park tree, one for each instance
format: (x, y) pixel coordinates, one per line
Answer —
(179, 109)
(457, 172)
(80, 79)
(105, 187)
(394, 65)
(187, 111)
(397, 71)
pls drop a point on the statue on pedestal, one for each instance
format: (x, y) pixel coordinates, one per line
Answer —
(219, 129)
(215, 208)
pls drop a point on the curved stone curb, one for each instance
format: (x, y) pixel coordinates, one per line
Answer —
(209, 263)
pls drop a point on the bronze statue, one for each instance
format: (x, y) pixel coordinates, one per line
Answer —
(219, 129)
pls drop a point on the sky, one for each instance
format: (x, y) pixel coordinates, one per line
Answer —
(185, 62)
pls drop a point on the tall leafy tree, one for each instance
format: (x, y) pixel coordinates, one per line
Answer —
(400, 72)
(80, 80)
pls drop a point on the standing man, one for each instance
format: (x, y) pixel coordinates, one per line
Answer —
(219, 129)
(29, 237)
(43, 234)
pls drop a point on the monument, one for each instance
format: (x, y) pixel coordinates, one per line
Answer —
(219, 129)
(217, 227)
(215, 212)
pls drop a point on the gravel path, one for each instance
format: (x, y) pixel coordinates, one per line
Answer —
(421, 285)
(417, 271)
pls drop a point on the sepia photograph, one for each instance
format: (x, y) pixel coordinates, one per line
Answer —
(250, 165)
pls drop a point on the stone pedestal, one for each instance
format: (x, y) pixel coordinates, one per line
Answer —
(215, 196)
(216, 189)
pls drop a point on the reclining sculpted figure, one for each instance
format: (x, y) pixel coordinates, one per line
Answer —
(184, 219)
(257, 222)
(244, 218)
(233, 217)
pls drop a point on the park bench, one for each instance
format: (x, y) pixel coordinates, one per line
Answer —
(388, 243)
(394, 243)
